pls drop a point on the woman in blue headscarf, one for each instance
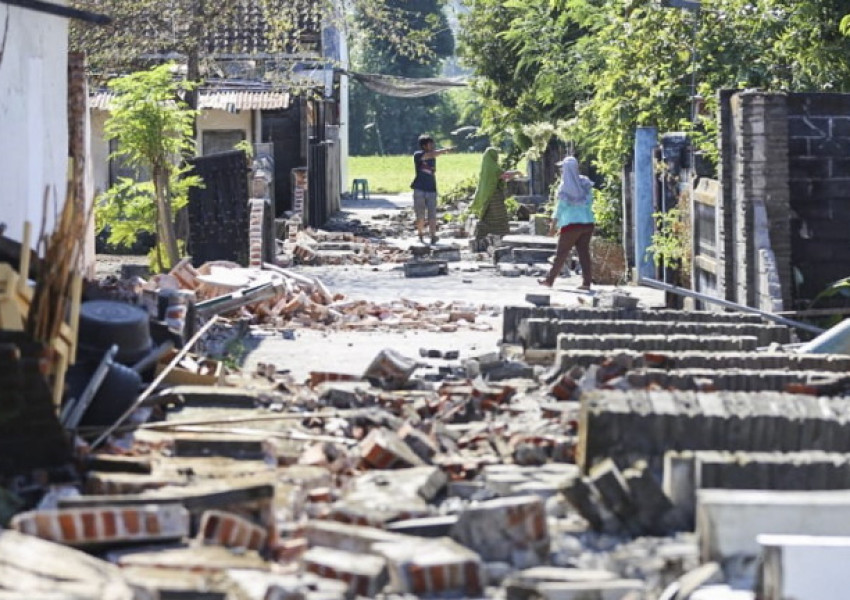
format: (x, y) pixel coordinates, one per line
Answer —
(573, 218)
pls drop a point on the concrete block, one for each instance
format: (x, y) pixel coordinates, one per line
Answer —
(366, 575)
(425, 268)
(721, 592)
(390, 369)
(729, 521)
(424, 446)
(509, 270)
(648, 423)
(530, 255)
(679, 484)
(616, 589)
(378, 497)
(613, 489)
(803, 567)
(384, 449)
(585, 499)
(429, 527)
(272, 586)
(445, 253)
(511, 530)
(526, 584)
(106, 524)
(231, 531)
(648, 498)
(351, 538)
(538, 299)
(433, 567)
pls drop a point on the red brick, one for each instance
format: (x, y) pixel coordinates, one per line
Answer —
(151, 523)
(110, 526)
(131, 521)
(67, 523)
(89, 527)
(105, 524)
(433, 567)
(289, 550)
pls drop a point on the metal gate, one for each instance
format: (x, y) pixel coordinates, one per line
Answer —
(219, 212)
(317, 183)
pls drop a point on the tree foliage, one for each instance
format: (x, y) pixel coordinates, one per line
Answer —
(153, 128)
(388, 125)
(148, 30)
(597, 69)
(520, 52)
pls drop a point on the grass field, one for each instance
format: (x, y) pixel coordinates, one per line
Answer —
(393, 174)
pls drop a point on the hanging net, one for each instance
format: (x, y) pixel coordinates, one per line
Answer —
(407, 87)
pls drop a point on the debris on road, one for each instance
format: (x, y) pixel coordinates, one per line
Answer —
(604, 450)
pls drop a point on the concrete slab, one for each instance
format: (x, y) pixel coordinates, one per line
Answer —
(730, 521)
(804, 567)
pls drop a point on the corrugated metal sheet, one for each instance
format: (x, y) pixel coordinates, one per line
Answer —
(210, 100)
(244, 100)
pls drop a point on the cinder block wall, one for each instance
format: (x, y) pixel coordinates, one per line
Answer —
(755, 176)
(819, 182)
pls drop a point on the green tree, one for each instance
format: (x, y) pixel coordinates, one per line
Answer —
(384, 124)
(153, 128)
(594, 70)
(524, 68)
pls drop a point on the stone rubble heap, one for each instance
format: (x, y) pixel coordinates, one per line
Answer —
(274, 297)
(585, 475)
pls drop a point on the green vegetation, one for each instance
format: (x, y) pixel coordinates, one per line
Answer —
(462, 191)
(389, 125)
(153, 131)
(671, 243)
(591, 71)
(393, 174)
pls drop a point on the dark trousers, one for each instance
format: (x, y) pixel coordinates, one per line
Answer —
(578, 235)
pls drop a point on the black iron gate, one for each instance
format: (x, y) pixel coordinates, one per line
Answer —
(317, 183)
(219, 212)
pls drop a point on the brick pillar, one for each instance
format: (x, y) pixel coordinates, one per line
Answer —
(761, 250)
(725, 213)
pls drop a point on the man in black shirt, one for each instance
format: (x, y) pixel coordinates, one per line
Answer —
(425, 185)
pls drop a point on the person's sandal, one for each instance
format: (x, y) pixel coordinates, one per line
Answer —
(544, 282)
(583, 287)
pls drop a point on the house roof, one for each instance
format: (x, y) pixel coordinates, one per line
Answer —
(216, 100)
(248, 33)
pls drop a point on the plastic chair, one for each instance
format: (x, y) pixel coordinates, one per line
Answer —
(360, 187)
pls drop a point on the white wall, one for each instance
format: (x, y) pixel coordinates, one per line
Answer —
(33, 116)
(221, 119)
(209, 120)
(99, 148)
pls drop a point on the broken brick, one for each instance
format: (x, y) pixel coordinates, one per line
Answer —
(231, 531)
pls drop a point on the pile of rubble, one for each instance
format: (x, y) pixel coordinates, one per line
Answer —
(583, 477)
(277, 298)
(317, 248)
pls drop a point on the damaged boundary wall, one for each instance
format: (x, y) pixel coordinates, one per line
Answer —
(770, 231)
(783, 212)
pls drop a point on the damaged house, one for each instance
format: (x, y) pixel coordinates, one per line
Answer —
(289, 99)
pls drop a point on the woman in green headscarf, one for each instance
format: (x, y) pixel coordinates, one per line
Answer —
(489, 202)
